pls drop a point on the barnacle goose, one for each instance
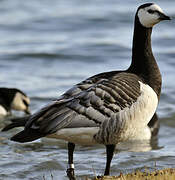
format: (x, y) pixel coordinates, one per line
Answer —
(107, 108)
(13, 99)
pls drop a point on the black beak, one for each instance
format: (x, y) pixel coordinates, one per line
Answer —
(27, 111)
(164, 17)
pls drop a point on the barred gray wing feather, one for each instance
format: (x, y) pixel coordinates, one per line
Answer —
(88, 104)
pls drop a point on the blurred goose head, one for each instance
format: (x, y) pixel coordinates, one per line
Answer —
(13, 99)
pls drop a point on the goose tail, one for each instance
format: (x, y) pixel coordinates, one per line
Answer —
(27, 135)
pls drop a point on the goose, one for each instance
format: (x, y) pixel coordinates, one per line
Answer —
(13, 99)
(109, 107)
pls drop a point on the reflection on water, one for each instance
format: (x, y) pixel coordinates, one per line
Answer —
(46, 47)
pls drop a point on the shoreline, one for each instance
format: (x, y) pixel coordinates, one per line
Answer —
(164, 174)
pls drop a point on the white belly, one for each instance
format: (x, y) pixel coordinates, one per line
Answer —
(139, 115)
(3, 111)
(82, 136)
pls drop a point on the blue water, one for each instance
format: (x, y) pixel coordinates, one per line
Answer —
(48, 46)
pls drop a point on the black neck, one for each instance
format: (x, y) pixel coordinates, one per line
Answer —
(143, 62)
(6, 97)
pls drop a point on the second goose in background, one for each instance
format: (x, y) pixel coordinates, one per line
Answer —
(13, 99)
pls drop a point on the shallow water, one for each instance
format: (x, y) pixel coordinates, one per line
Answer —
(48, 46)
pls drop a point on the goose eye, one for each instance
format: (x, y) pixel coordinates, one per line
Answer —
(151, 11)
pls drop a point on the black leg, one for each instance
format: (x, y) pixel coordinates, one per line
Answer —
(70, 168)
(109, 154)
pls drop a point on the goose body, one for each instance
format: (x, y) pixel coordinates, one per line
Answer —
(13, 99)
(118, 116)
(110, 107)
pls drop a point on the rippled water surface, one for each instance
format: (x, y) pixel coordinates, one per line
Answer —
(48, 46)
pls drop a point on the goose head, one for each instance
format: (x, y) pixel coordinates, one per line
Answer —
(150, 14)
(20, 102)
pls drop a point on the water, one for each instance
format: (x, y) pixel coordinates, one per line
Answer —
(48, 46)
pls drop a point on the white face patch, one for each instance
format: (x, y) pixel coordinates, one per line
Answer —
(18, 102)
(148, 19)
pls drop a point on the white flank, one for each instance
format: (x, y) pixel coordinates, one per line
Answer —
(3, 111)
(139, 114)
(149, 20)
(82, 136)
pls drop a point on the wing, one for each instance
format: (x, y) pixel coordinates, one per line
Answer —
(88, 104)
